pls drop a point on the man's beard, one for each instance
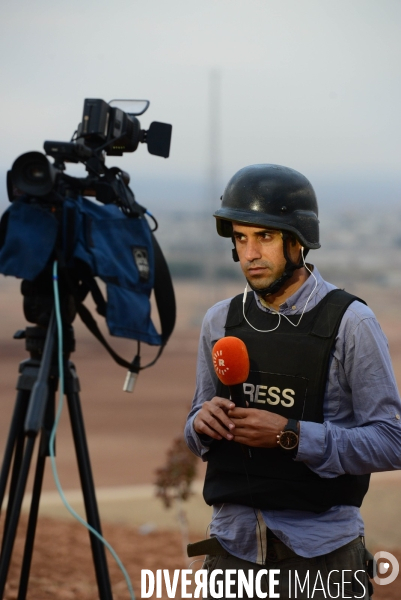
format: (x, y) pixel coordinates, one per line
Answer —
(263, 281)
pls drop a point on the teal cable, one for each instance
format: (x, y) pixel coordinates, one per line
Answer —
(54, 430)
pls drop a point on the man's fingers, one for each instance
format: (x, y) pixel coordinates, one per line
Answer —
(239, 413)
(213, 418)
(238, 423)
(214, 429)
(219, 422)
(218, 408)
(222, 403)
(206, 430)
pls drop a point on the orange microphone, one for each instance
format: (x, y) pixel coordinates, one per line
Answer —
(231, 364)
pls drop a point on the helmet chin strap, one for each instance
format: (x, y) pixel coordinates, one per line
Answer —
(289, 269)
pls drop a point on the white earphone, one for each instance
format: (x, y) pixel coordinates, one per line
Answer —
(279, 314)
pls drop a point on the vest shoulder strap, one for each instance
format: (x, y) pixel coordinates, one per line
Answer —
(334, 305)
(235, 311)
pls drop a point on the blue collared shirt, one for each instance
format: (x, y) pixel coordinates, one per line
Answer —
(361, 432)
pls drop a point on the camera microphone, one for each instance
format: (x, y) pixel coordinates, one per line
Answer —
(231, 364)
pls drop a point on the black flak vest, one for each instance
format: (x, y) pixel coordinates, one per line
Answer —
(288, 376)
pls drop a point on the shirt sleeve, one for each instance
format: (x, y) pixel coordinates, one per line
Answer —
(361, 432)
(206, 379)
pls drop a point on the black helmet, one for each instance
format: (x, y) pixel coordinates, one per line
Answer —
(273, 196)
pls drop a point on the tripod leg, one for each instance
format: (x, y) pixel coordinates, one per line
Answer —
(15, 513)
(36, 492)
(15, 433)
(16, 442)
(31, 529)
(88, 488)
(38, 399)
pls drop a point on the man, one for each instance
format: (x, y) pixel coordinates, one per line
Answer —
(287, 474)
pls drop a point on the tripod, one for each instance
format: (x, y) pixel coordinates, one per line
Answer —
(34, 413)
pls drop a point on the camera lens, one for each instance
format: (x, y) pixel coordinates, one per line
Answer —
(33, 174)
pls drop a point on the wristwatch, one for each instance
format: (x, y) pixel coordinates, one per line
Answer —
(288, 439)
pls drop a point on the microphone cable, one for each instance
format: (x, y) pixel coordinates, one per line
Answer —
(53, 435)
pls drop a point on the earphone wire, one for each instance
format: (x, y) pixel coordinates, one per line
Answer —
(250, 324)
(277, 313)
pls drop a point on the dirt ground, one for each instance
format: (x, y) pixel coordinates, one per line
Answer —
(62, 567)
(128, 435)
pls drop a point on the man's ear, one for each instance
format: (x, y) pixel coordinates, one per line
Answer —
(294, 243)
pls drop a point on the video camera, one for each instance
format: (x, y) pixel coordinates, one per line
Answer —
(50, 218)
(105, 129)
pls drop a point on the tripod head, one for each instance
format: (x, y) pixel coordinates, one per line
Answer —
(38, 305)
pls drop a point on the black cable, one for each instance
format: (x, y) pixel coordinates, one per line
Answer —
(155, 359)
(154, 221)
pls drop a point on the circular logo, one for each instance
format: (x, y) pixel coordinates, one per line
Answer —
(388, 565)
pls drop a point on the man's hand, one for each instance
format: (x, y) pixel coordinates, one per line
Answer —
(212, 419)
(258, 428)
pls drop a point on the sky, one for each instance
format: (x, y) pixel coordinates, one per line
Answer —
(310, 84)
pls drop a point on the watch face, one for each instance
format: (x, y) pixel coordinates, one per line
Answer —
(288, 440)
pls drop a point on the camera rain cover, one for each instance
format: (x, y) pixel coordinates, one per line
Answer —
(28, 233)
(117, 248)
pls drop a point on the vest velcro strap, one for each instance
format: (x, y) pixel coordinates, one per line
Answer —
(332, 311)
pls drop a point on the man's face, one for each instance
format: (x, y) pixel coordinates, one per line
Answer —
(260, 252)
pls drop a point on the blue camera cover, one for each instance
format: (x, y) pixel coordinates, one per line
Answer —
(117, 248)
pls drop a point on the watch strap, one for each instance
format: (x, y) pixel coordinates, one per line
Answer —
(292, 425)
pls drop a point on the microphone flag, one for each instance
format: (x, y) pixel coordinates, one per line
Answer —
(231, 365)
